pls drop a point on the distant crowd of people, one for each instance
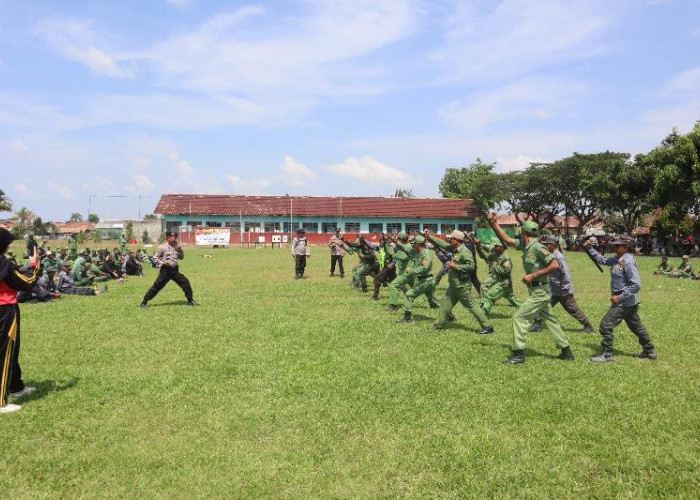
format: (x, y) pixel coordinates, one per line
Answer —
(71, 272)
(684, 269)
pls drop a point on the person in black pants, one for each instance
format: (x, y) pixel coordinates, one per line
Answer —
(166, 258)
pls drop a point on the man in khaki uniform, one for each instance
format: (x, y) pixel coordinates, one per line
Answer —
(538, 263)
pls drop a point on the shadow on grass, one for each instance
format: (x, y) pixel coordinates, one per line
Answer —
(171, 303)
(616, 352)
(45, 387)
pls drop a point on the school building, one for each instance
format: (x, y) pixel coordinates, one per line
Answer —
(319, 216)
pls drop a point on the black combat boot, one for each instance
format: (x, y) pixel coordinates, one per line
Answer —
(406, 318)
(566, 354)
(517, 357)
(587, 329)
(603, 357)
(374, 297)
(486, 330)
(646, 353)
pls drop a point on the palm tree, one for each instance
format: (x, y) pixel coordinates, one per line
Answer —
(24, 216)
(75, 217)
(5, 202)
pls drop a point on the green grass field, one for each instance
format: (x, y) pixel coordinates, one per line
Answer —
(276, 387)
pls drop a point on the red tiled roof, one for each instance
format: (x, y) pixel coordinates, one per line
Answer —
(340, 206)
(73, 227)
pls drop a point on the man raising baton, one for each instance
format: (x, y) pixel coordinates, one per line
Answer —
(166, 258)
(538, 263)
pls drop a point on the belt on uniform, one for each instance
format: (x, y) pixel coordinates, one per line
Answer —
(535, 284)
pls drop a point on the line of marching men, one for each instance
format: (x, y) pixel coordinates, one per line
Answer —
(403, 264)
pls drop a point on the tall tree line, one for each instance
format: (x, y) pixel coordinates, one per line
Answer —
(664, 182)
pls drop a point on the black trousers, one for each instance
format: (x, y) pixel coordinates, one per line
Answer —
(386, 275)
(11, 376)
(568, 302)
(614, 316)
(299, 264)
(339, 260)
(78, 290)
(166, 274)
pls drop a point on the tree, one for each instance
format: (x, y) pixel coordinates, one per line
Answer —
(24, 216)
(93, 219)
(18, 230)
(586, 182)
(81, 237)
(150, 217)
(614, 224)
(404, 193)
(38, 226)
(145, 237)
(97, 236)
(630, 197)
(468, 182)
(75, 217)
(5, 202)
(676, 163)
(129, 230)
(161, 237)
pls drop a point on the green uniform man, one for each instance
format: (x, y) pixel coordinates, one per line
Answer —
(538, 263)
(685, 269)
(95, 272)
(499, 284)
(122, 243)
(73, 247)
(459, 278)
(664, 267)
(369, 264)
(401, 253)
(79, 273)
(51, 261)
(419, 274)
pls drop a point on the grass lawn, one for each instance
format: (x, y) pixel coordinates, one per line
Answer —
(277, 387)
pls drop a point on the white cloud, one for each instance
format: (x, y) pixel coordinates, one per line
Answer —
(488, 41)
(25, 190)
(294, 173)
(78, 40)
(142, 182)
(688, 80)
(19, 146)
(61, 190)
(248, 186)
(180, 4)
(534, 99)
(517, 163)
(370, 170)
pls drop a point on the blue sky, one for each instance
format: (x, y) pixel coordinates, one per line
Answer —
(139, 98)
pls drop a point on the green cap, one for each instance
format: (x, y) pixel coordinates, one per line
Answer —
(402, 235)
(420, 240)
(530, 228)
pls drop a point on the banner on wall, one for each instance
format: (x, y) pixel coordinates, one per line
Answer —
(206, 236)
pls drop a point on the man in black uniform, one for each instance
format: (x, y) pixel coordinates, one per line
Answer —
(166, 258)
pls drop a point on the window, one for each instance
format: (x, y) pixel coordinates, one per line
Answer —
(194, 223)
(447, 228)
(467, 228)
(310, 227)
(251, 226)
(328, 227)
(412, 228)
(394, 227)
(235, 226)
(172, 225)
(352, 227)
(213, 224)
(272, 227)
(376, 227)
(290, 227)
(431, 227)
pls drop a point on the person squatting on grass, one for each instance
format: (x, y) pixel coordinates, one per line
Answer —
(625, 283)
(166, 258)
(12, 281)
(538, 263)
